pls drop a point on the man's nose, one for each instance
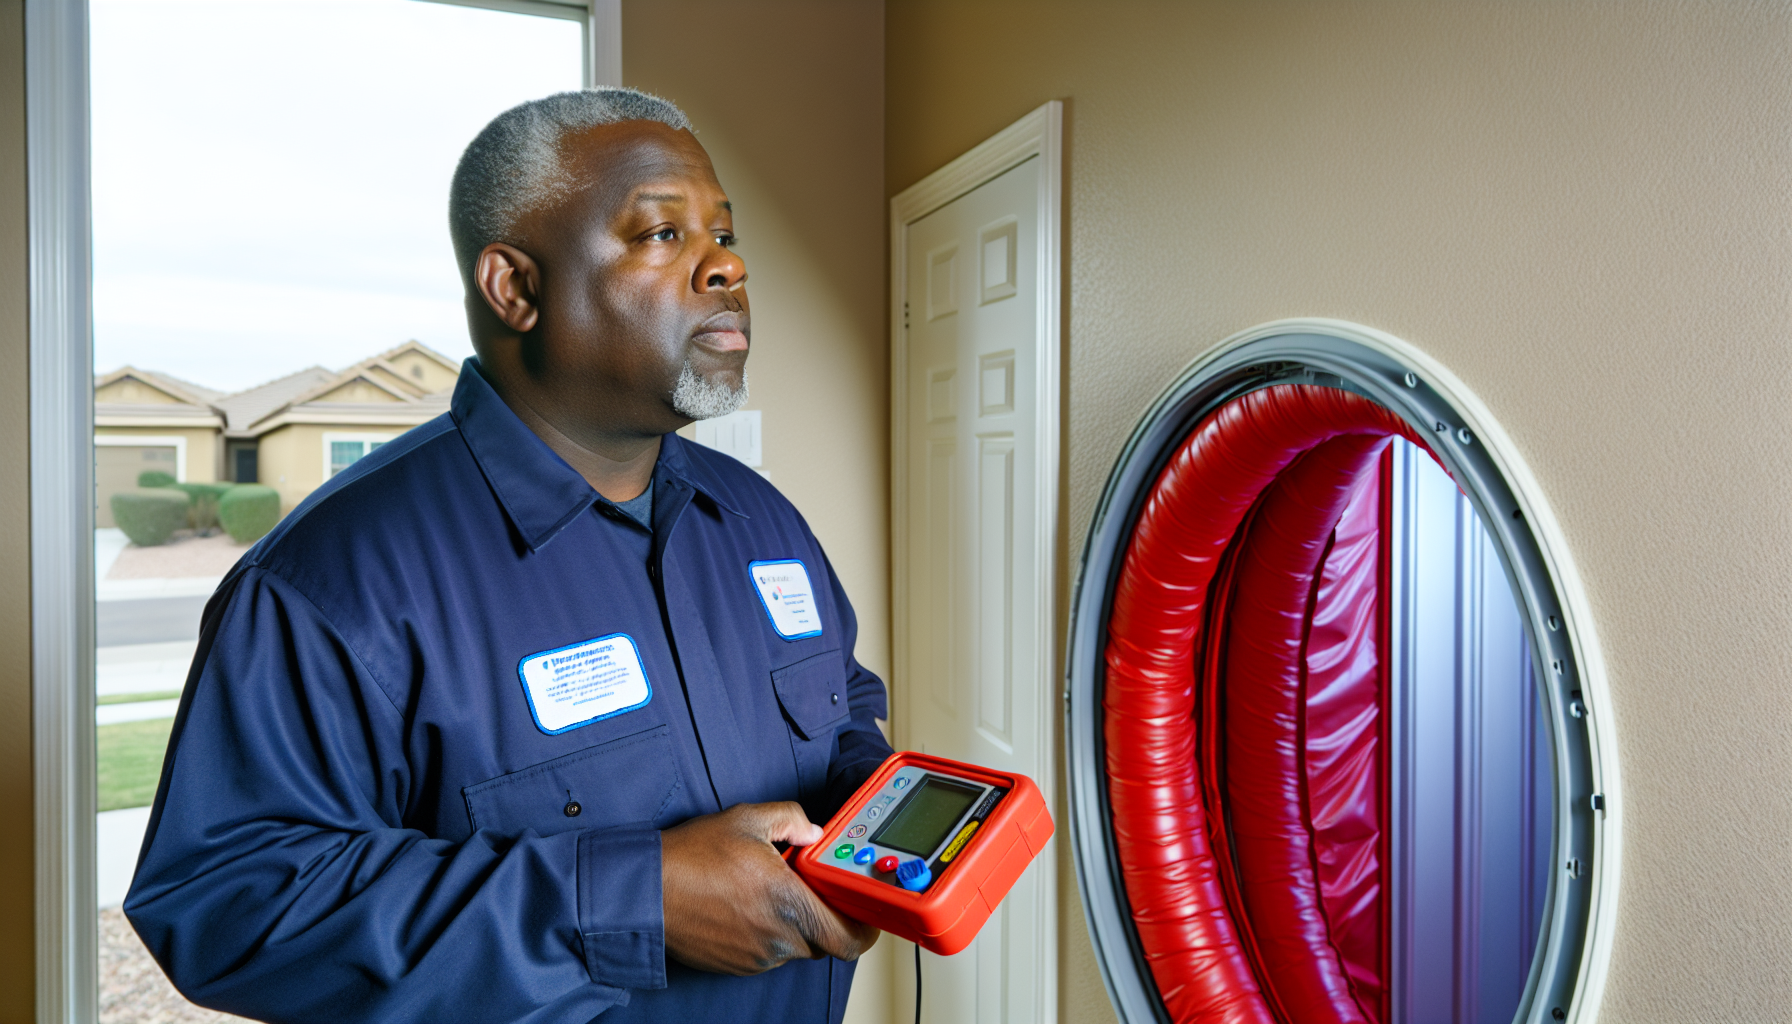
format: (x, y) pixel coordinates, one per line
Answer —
(722, 270)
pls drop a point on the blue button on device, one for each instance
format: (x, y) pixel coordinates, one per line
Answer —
(914, 875)
(865, 856)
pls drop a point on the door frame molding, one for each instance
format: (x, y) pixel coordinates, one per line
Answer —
(59, 250)
(1039, 134)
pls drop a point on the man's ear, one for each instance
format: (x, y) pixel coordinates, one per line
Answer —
(510, 281)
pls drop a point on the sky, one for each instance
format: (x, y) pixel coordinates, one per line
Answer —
(270, 177)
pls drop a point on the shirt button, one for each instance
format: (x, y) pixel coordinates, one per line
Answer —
(573, 808)
(835, 696)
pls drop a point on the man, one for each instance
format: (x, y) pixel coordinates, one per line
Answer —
(503, 722)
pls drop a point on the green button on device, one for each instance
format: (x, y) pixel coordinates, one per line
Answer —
(843, 851)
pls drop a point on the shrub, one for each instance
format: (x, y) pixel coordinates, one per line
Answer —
(154, 478)
(202, 504)
(249, 511)
(150, 515)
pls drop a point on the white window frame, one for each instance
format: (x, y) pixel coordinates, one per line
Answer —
(60, 349)
(331, 437)
(179, 444)
(602, 20)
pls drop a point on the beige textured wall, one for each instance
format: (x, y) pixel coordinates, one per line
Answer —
(1583, 210)
(17, 940)
(787, 96)
(290, 460)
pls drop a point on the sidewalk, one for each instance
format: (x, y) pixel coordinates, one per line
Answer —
(120, 837)
(144, 668)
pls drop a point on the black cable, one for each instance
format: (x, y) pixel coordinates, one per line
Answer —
(917, 983)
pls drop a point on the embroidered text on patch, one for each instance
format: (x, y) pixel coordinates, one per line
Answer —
(579, 684)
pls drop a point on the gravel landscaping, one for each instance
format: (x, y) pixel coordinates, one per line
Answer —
(185, 555)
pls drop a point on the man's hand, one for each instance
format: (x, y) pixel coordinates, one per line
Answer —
(735, 907)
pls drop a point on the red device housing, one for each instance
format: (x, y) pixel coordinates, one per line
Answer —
(945, 918)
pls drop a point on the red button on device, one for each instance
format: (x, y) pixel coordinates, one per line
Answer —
(886, 864)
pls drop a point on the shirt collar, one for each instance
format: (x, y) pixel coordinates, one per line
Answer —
(681, 461)
(538, 491)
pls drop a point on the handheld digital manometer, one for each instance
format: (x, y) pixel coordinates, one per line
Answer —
(927, 848)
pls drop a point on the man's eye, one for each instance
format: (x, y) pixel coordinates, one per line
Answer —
(664, 235)
(726, 241)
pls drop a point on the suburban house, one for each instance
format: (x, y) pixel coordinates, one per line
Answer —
(145, 420)
(292, 433)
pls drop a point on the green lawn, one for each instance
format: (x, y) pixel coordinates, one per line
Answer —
(132, 698)
(131, 762)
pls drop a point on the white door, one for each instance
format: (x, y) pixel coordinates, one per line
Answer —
(977, 481)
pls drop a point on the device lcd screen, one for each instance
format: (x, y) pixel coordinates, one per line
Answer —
(920, 825)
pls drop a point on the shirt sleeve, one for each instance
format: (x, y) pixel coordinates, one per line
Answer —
(277, 879)
(860, 744)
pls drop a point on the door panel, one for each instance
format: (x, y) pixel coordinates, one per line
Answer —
(941, 609)
(995, 588)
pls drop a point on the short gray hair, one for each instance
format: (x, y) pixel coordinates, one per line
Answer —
(514, 164)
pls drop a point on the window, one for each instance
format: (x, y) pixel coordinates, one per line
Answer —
(271, 132)
(339, 453)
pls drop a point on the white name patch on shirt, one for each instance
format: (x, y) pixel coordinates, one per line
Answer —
(789, 600)
(577, 685)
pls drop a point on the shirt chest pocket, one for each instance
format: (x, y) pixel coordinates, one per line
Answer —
(631, 780)
(812, 694)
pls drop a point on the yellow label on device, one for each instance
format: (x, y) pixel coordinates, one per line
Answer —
(958, 841)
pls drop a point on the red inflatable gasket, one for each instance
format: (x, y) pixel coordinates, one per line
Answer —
(1200, 958)
(1346, 736)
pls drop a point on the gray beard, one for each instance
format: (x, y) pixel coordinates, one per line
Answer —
(700, 400)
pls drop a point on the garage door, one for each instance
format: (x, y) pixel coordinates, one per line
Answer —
(116, 468)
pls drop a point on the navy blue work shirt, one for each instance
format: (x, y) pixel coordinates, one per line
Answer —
(364, 816)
